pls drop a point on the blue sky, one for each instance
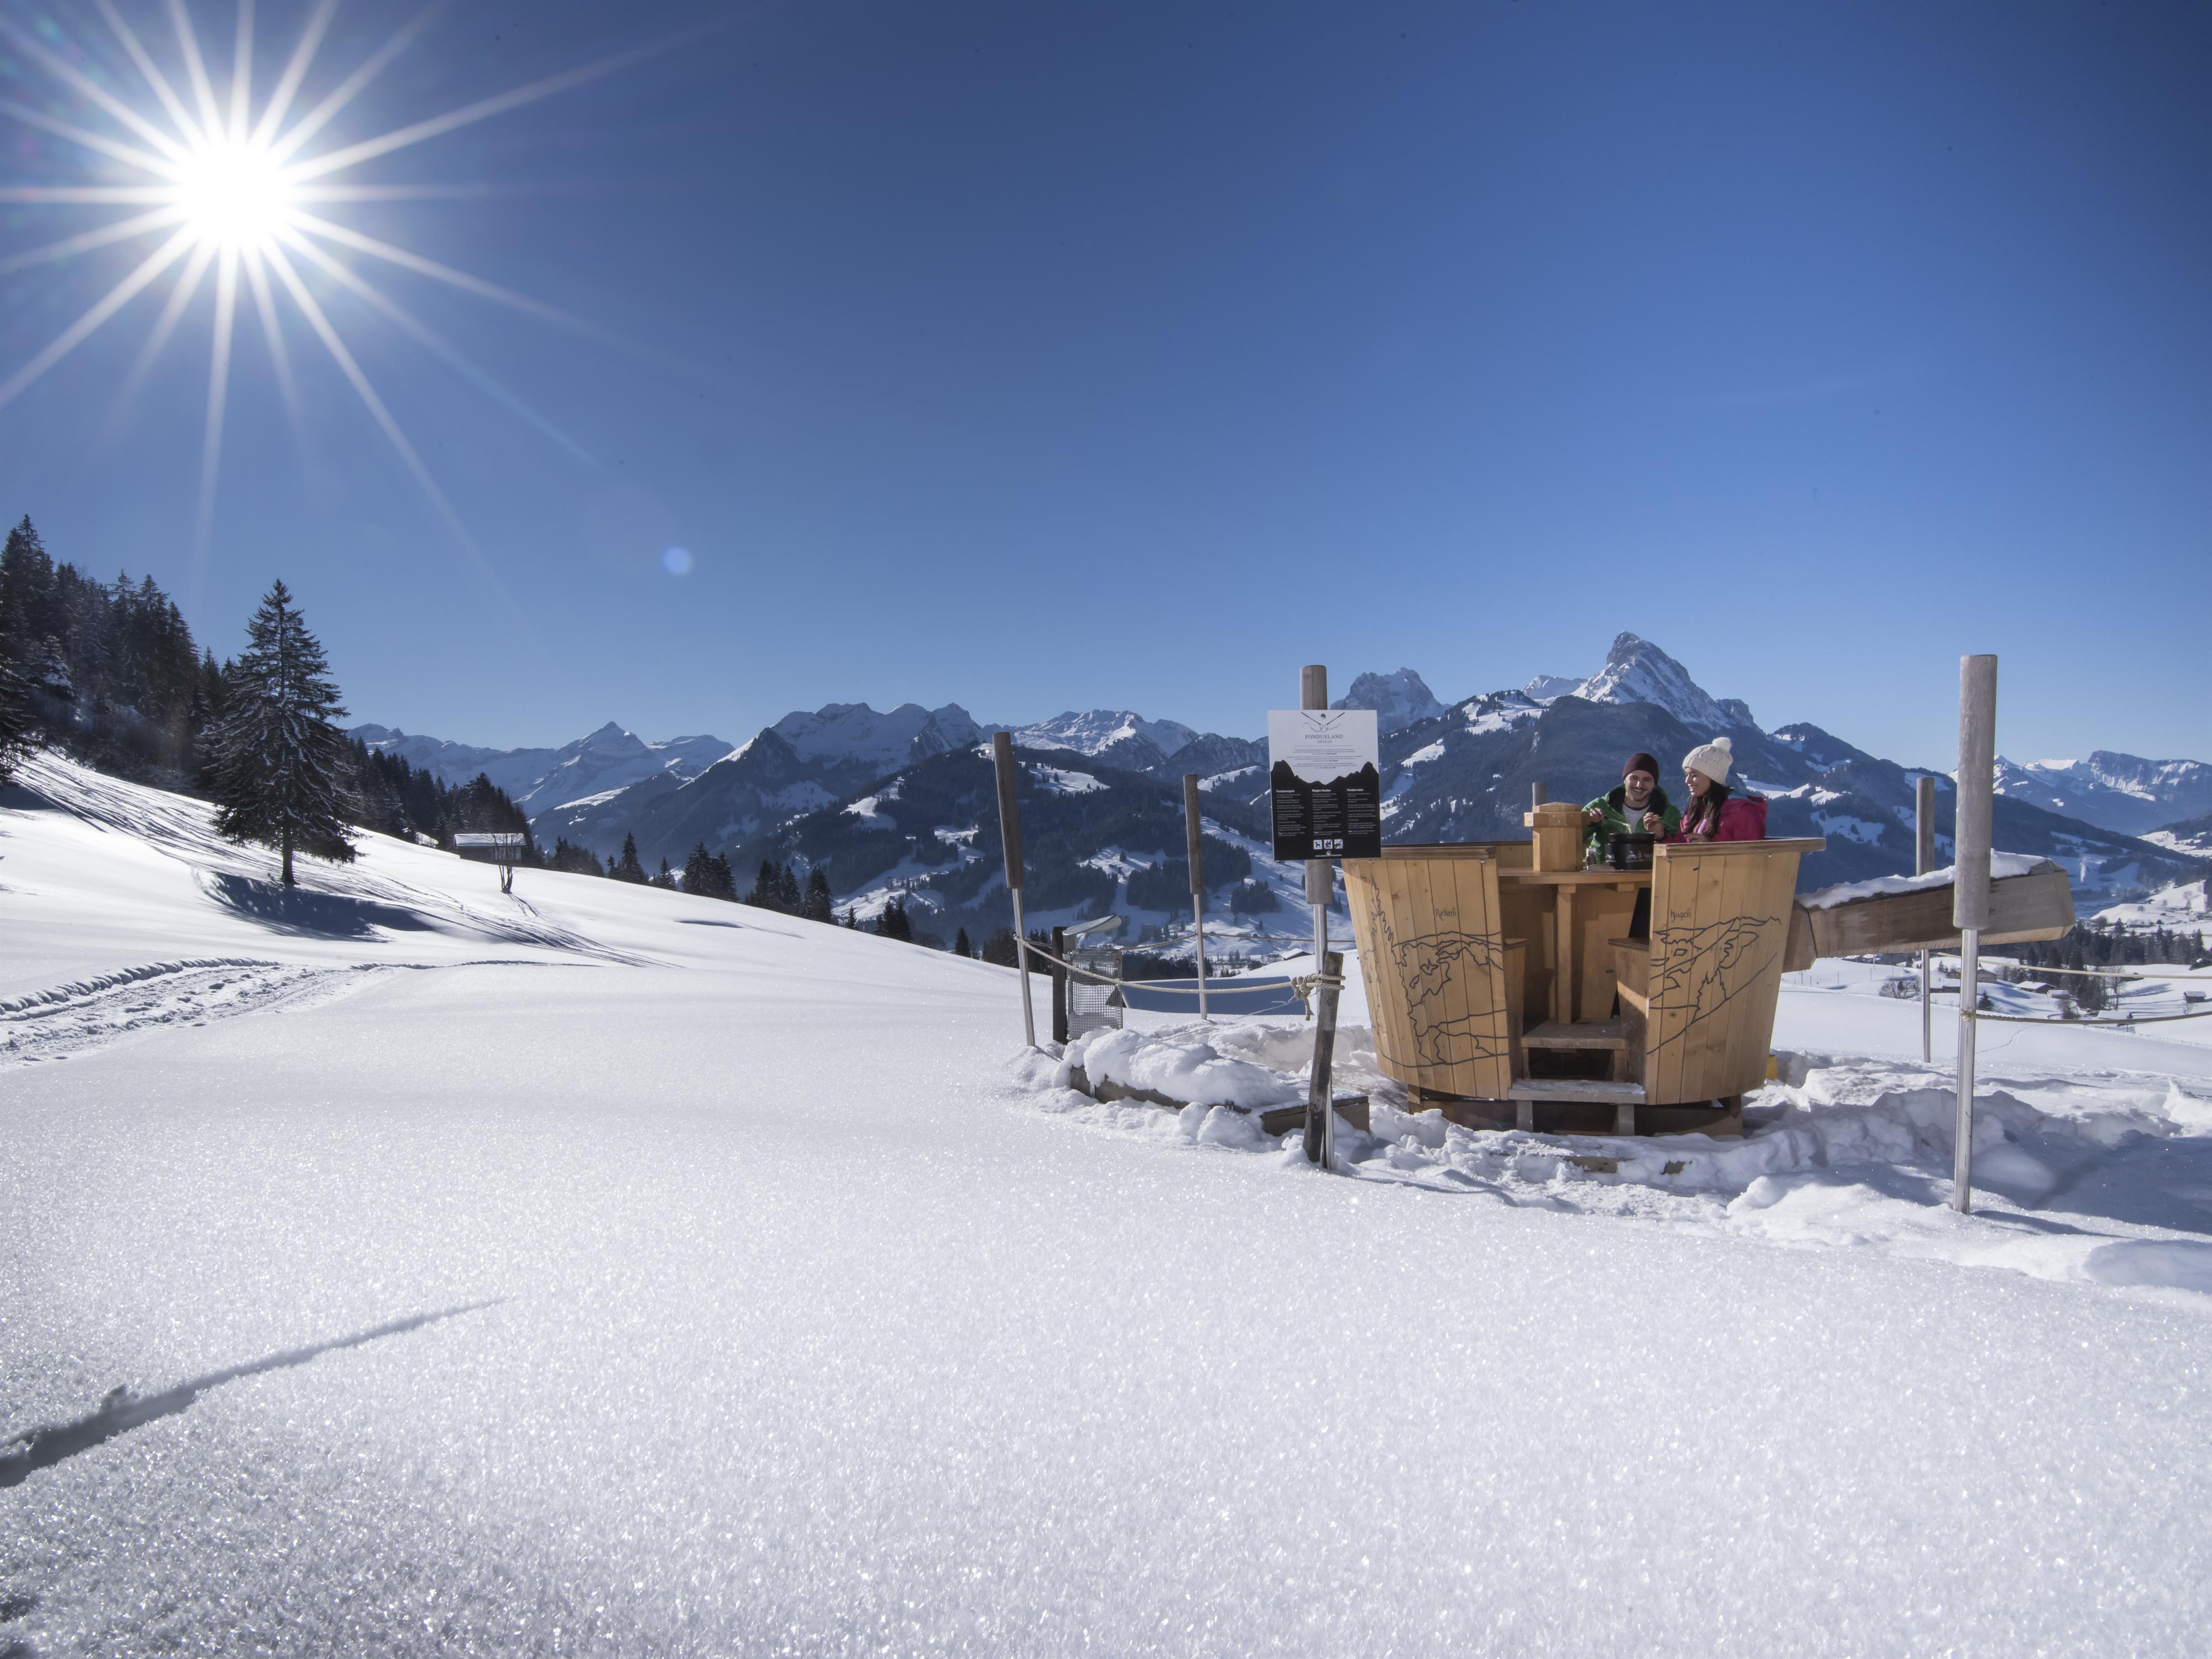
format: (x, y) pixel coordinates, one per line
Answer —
(1040, 357)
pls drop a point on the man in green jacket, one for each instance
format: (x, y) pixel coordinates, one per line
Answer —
(1637, 806)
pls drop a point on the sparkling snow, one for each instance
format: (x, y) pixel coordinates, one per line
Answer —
(605, 1271)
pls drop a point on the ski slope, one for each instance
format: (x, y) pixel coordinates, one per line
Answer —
(601, 1271)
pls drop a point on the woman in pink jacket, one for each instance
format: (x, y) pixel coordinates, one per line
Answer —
(1712, 813)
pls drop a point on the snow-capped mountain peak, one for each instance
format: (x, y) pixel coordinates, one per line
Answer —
(1399, 700)
(611, 758)
(1094, 731)
(1548, 688)
(2121, 792)
(854, 732)
(1637, 670)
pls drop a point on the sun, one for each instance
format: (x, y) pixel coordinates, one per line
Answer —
(234, 196)
(237, 183)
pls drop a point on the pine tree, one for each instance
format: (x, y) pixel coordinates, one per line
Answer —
(666, 878)
(817, 907)
(894, 922)
(707, 875)
(577, 860)
(627, 868)
(775, 888)
(278, 758)
(960, 945)
(26, 584)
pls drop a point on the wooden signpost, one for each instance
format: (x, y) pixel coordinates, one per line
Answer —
(1010, 836)
(1327, 803)
(1190, 823)
(1970, 888)
(1923, 860)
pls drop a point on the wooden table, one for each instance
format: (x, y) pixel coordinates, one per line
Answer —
(1567, 884)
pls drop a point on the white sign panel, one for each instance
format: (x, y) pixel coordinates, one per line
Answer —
(1324, 768)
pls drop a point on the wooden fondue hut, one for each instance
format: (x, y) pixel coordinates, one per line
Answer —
(1505, 987)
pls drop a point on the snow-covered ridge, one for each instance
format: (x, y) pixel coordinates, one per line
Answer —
(1637, 670)
(542, 780)
(1099, 729)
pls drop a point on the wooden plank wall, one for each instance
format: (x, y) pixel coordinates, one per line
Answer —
(1719, 923)
(1602, 916)
(1432, 953)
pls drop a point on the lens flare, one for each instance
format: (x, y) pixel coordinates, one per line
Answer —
(676, 561)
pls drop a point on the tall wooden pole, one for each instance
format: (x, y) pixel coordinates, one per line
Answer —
(1190, 822)
(1970, 888)
(1010, 836)
(1923, 860)
(1320, 887)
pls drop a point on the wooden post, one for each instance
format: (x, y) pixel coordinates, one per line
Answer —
(1923, 860)
(1970, 888)
(1321, 1099)
(1190, 825)
(1060, 983)
(1320, 887)
(1010, 835)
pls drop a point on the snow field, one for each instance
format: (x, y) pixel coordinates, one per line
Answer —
(802, 1319)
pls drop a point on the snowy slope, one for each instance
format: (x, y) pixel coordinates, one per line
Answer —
(641, 1275)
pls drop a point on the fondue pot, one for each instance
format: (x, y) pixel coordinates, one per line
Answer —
(1629, 852)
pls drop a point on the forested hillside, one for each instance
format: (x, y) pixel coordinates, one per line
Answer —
(111, 674)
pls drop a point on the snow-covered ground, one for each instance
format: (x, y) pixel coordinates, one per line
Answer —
(605, 1271)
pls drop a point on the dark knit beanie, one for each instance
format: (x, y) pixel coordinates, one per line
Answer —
(1640, 761)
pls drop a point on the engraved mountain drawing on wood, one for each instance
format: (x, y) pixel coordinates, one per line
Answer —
(1701, 969)
(1441, 968)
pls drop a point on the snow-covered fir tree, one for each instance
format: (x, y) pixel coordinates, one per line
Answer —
(278, 760)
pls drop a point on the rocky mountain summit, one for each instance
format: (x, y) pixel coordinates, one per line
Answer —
(1111, 782)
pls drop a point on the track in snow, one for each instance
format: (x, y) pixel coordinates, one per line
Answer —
(76, 1019)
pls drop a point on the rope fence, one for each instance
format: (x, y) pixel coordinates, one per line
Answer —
(1302, 985)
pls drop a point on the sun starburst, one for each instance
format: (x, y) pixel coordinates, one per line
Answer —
(245, 194)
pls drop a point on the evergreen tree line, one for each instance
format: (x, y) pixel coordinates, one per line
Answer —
(111, 674)
(109, 671)
(2100, 944)
(391, 795)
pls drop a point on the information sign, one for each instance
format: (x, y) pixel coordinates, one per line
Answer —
(1324, 768)
(491, 845)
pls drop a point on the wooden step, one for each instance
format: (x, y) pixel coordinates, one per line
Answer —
(1608, 1034)
(1576, 1088)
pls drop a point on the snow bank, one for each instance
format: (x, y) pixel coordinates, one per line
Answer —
(1842, 1151)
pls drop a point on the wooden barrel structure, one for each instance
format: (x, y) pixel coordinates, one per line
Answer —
(1511, 995)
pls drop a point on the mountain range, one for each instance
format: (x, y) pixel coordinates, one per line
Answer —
(899, 803)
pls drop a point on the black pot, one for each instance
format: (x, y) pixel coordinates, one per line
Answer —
(1629, 852)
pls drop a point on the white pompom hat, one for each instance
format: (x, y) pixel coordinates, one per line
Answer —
(1713, 759)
